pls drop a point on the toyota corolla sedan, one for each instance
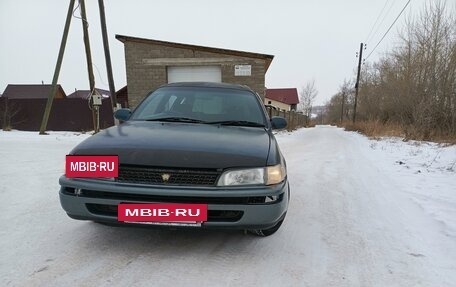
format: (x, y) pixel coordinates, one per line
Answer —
(199, 155)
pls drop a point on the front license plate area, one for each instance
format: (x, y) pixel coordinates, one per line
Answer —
(171, 224)
(172, 214)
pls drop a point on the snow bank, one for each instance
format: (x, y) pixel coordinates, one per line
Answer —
(426, 171)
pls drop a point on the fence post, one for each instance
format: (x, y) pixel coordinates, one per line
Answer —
(292, 120)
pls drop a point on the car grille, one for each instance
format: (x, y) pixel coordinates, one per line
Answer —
(148, 175)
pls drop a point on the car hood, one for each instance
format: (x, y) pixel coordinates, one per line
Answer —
(183, 145)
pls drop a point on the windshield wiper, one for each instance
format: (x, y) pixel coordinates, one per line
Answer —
(190, 120)
(176, 119)
(237, 123)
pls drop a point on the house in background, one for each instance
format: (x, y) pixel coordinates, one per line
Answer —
(122, 97)
(22, 107)
(18, 92)
(84, 94)
(283, 99)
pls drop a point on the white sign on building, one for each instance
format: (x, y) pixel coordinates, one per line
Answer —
(243, 70)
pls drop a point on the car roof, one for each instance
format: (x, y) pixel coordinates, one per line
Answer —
(209, 85)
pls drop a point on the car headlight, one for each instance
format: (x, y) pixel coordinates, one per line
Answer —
(253, 176)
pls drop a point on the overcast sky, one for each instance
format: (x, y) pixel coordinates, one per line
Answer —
(310, 39)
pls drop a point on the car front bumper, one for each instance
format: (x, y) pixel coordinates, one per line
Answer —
(236, 208)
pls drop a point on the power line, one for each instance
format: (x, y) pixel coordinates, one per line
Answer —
(376, 20)
(78, 7)
(99, 74)
(384, 35)
(381, 22)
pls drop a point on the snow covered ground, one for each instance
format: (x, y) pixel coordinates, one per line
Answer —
(362, 213)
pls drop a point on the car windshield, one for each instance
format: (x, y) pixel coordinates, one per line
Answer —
(202, 105)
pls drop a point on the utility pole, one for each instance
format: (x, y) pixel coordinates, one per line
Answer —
(104, 33)
(321, 116)
(342, 107)
(85, 29)
(58, 65)
(357, 81)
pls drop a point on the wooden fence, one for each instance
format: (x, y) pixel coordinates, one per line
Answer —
(295, 120)
(66, 114)
(74, 115)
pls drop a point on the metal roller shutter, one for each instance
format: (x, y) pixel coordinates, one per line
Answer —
(194, 74)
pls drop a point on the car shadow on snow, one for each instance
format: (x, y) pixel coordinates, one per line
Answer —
(132, 239)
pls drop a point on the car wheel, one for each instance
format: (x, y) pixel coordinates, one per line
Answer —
(268, 231)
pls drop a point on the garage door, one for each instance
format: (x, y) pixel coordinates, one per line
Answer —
(194, 74)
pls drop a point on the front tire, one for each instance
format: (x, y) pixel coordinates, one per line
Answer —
(268, 231)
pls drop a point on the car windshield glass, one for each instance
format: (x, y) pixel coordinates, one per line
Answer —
(202, 105)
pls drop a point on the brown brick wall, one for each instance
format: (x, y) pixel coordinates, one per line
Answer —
(146, 67)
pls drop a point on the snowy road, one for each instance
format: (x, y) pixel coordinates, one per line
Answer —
(350, 223)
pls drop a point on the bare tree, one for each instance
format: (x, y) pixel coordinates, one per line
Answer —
(307, 97)
(8, 112)
(340, 107)
(414, 84)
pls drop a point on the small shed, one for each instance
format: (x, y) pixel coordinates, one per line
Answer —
(152, 63)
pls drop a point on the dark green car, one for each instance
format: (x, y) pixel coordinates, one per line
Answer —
(189, 143)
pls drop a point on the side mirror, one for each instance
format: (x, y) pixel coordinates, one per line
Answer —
(278, 123)
(122, 114)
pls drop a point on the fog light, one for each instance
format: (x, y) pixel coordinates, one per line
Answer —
(271, 198)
